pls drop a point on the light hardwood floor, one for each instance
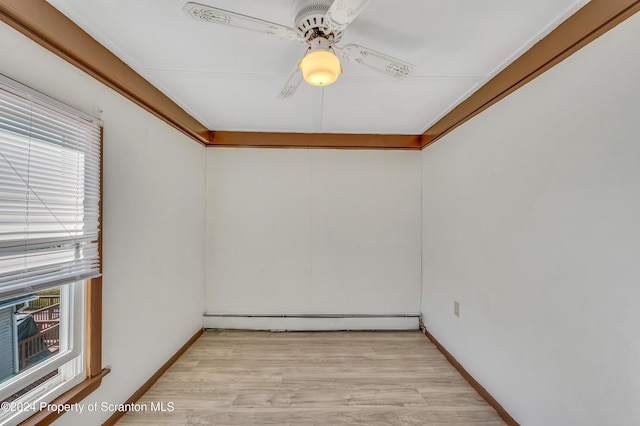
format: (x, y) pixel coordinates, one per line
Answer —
(313, 378)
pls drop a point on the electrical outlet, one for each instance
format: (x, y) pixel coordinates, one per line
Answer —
(456, 308)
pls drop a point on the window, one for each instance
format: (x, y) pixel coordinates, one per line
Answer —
(49, 248)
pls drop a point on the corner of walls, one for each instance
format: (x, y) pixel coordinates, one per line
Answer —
(530, 222)
(153, 222)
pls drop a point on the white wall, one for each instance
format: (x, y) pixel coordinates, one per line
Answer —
(530, 220)
(295, 231)
(153, 220)
(531, 216)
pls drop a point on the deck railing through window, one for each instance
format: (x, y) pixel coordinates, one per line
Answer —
(46, 314)
(43, 301)
(47, 340)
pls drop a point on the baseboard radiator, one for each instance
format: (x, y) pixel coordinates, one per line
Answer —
(311, 322)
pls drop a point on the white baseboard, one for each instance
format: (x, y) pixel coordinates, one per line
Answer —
(310, 322)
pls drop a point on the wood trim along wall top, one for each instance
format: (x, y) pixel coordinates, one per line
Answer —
(594, 19)
(314, 140)
(45, 25)
(473, 382)
(51, 29)
(154, 378)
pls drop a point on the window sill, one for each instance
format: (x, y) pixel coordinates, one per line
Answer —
(76, 394)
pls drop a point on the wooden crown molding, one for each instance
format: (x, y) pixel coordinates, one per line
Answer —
(44, 24)
(315, 140)
(594, 19)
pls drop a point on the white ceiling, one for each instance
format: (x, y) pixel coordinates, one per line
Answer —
(229, 78)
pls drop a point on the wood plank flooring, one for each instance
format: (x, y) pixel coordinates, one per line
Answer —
(313, 378)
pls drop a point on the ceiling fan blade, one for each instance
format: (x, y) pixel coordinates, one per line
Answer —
(376, 60)
(290, 87)
(201, 12)
(342, 12)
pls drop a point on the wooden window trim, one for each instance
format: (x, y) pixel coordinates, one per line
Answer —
(76, 394)
(93, 337)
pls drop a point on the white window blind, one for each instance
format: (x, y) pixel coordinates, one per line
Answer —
(49, 191)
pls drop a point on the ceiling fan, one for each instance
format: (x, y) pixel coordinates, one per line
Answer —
(319, 24)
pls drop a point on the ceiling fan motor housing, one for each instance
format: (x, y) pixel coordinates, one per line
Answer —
(310, 19)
